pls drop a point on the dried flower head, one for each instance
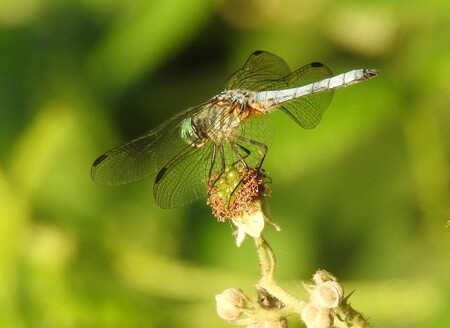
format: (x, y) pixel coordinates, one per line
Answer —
(236, 193)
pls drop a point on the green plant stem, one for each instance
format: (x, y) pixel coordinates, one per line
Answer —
(267, 262)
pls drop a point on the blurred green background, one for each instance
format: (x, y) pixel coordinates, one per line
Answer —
(365, 195)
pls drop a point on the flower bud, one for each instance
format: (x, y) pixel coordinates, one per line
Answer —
(230, 303)
(315, 317)
(327, 295)
(280, 323)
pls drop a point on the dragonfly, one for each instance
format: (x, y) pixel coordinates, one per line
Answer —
(193, 148)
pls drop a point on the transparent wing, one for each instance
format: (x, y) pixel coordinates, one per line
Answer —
(254, 138)
(306, 111)
(142, 156)
(185, 178)
(266, 71)
(260, 70)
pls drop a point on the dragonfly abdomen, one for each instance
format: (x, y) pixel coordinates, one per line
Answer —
(335, 82)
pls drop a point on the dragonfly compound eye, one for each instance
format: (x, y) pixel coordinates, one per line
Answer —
(188, 132)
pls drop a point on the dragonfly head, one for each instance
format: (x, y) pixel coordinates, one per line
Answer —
(189, 133)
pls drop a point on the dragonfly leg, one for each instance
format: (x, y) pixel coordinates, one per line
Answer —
(241, 158)
(242, 153)
(256, 143)
(213, 179)
(213, 161)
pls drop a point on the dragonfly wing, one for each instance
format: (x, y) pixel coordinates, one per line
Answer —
(185, 178)
(261, 69)
(254, 137)
(142, 156)
(126, 163)
(266, 71)
(307, 111)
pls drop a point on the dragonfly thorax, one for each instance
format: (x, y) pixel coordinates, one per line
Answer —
(219, 120)
(241, 97)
